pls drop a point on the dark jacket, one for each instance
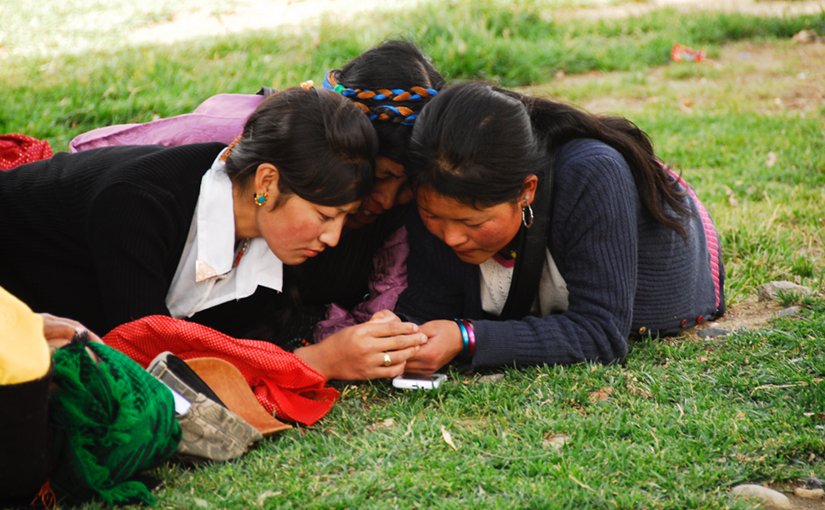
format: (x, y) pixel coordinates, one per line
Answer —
(97, 236)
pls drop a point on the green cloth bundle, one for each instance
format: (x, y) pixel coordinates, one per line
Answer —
(109, 420)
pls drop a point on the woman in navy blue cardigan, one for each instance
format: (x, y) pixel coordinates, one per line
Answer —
(545, 234)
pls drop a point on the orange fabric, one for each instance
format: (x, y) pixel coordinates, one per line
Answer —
(16, 150)
(281, 381)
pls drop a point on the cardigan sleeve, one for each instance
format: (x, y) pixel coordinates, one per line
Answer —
(593, 239)
(136, 237)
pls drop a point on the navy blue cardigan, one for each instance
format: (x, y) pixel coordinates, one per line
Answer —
(626, 274)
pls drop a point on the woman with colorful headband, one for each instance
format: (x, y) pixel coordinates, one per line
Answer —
(390, 83)
(111, 235)
(548, 235)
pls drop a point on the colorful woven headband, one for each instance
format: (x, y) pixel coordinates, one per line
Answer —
(400, 114)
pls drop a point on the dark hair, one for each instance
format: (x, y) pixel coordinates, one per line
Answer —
(476, 143)
(393, 64)
(322, 145)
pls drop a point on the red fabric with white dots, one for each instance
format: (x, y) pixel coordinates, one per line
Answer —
(16, 150)
(281, 381)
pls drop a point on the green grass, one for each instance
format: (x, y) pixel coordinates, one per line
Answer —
(683, 420)
(678, 425)
(515, 43)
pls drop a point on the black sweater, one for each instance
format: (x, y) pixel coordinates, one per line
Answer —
(96, 236)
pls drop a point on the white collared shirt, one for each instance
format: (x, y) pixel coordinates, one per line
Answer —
(205, 276)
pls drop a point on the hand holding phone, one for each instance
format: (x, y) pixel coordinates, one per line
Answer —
(418, 382)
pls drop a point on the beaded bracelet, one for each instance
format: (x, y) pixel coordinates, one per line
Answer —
(465, 336)
(471, 334)
(468, 338)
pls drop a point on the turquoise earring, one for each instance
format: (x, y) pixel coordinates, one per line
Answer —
(259, 198)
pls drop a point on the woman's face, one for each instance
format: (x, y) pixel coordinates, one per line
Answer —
(475, 235)
(389, 190)
(298, 229)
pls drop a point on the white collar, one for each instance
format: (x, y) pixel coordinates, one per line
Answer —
(216, 237)
(205, 276)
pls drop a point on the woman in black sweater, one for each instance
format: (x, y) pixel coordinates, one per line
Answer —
(115, 234)
(548, 235)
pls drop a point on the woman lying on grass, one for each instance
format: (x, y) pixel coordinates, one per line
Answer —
(119, 233)
(547, 235)
(390, 83)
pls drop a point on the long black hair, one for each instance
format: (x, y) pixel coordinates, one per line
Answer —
(393, 64)
(476, 143)
(322, 145)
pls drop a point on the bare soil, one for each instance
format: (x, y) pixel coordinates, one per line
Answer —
(212, 18)
(780, 78)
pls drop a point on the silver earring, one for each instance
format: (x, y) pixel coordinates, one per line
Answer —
(527, 216)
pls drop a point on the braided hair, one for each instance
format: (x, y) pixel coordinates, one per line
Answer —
(322, 146)
(391, 83)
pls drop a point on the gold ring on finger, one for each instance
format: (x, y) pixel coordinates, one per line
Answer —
(387, 360)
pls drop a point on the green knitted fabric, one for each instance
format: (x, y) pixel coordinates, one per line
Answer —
(109, 420)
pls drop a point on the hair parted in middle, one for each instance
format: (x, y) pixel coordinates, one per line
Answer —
(476, 143)
(321, 144)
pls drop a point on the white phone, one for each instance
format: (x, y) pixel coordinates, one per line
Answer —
(418, 382)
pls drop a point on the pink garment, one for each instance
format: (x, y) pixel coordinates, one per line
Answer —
(711, 237)
(218, 119)
(387, 281)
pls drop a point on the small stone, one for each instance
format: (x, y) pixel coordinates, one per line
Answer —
(768, 496)
(805, 37)
(789, 312)
(770, 291)
(555, 441)
(813, 482)
(809, 493)
(491, 378)
(712, 332)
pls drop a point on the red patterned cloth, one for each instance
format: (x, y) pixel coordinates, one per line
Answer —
(16, 150)
(281, 381)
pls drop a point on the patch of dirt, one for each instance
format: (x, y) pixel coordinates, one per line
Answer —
(751, 314)
(760, 8)
(243, 15)
(797, 503)
(779, 78)
(240, 16)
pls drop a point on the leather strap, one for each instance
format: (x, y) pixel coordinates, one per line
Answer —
(231, 387)
(531, 248)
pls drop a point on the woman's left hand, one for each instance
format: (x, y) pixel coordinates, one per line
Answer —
(443, 344)
(59, 331)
